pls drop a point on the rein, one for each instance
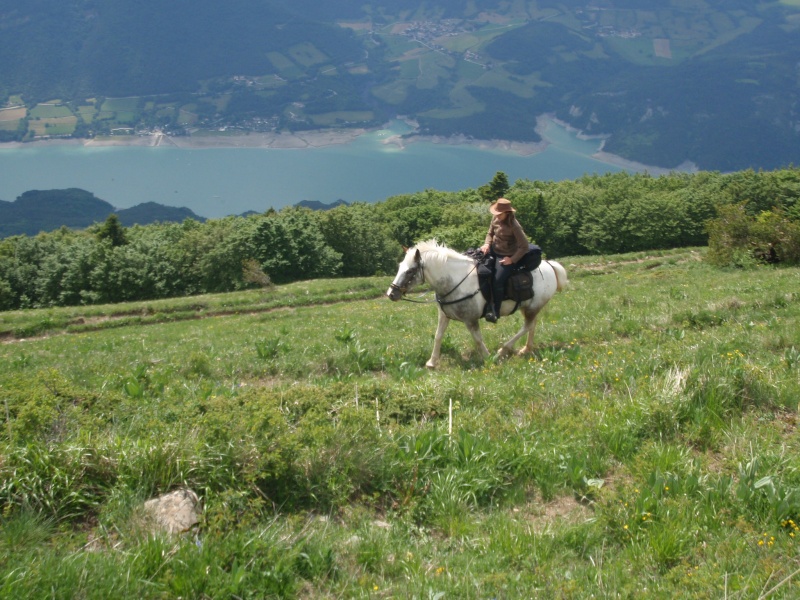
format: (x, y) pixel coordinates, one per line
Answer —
(417, 301)
(472, 295)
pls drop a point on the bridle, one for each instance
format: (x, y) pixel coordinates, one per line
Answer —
(410, 275)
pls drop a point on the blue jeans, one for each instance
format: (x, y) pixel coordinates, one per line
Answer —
(501, 275)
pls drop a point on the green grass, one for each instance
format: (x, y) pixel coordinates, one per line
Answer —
(49, 111)
(58, 126)
(306, 54)
(286, 66)
(120, 105)
(649, 443)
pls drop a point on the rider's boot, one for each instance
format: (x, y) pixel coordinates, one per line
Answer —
(493, 313)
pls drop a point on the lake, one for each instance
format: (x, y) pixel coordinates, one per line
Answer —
(223, 181)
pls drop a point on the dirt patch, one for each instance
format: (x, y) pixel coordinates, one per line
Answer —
(662, 48)
(599, 266)
(488, 17)
(356, 26)
(400, 27)
(13, 114)
(564, 510)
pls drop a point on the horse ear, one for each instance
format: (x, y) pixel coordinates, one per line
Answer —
(405, 249)
(417, 256)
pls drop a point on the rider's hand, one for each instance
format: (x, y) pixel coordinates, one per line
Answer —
(485, 248)
(506, 261)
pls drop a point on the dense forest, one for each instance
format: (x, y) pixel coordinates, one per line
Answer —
(744, 217)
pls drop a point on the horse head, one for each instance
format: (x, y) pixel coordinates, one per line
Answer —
(409, 275)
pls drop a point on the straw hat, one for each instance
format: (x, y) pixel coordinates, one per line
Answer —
(501, 206)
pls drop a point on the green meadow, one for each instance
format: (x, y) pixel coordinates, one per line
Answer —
(648, 448)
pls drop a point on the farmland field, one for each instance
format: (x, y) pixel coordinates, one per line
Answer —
(50, 111)
(53, 126)
(13, 114)
(649, 443)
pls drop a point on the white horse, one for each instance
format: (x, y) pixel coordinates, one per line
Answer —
(454, 278)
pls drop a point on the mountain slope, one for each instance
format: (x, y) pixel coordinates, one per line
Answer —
(712, 82)
(47, 210)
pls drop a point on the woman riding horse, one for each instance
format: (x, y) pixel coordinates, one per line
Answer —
(508, 244)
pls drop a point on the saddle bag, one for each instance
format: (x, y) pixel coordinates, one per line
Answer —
(532, 259)
(520, 286)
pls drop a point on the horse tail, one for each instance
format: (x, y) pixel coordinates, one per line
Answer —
(562, 281)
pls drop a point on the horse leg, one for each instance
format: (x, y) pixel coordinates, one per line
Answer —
(444, 321)
(528, 326)
(475, 329)
(530, 323)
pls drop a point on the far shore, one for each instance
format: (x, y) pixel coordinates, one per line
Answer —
(302, 139)
(331, 137)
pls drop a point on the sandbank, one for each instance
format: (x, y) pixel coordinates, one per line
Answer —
(631, 165)
(521, 148)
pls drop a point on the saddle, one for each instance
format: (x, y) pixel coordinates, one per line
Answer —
(520, 285)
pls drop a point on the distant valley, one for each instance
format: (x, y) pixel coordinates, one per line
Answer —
(666, 82)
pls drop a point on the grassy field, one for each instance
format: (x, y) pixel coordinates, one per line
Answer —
(649, 447)
(9, 125)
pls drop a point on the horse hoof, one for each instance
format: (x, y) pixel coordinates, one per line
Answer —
(525, 351)
(430, 364)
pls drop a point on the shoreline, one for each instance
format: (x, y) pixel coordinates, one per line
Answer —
(304, 139)
(321, 138)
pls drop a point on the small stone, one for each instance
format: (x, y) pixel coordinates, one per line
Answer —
(175, 512)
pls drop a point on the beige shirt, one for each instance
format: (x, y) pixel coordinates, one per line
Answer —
(508, 238)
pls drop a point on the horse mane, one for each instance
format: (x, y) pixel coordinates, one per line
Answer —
(440, 251)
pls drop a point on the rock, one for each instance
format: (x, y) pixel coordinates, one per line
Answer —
(175, 512)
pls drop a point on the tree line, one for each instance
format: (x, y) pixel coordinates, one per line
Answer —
(743, 217)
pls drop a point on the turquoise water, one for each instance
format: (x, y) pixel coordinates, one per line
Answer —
(223, 181)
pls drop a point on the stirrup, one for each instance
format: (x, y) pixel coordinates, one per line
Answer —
(491, 317)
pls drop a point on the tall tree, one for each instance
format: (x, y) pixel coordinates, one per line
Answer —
(497, 188)
(113, 231)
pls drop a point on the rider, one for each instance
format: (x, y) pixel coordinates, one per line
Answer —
(508, 244)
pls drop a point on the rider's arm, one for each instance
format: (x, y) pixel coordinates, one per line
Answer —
(521, 242)
(487, 243)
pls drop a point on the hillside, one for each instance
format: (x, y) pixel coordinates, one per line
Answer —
(709, 82)
(650, 442)
(745, 218)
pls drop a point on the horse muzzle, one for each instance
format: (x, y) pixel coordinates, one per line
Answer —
(394, 293)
